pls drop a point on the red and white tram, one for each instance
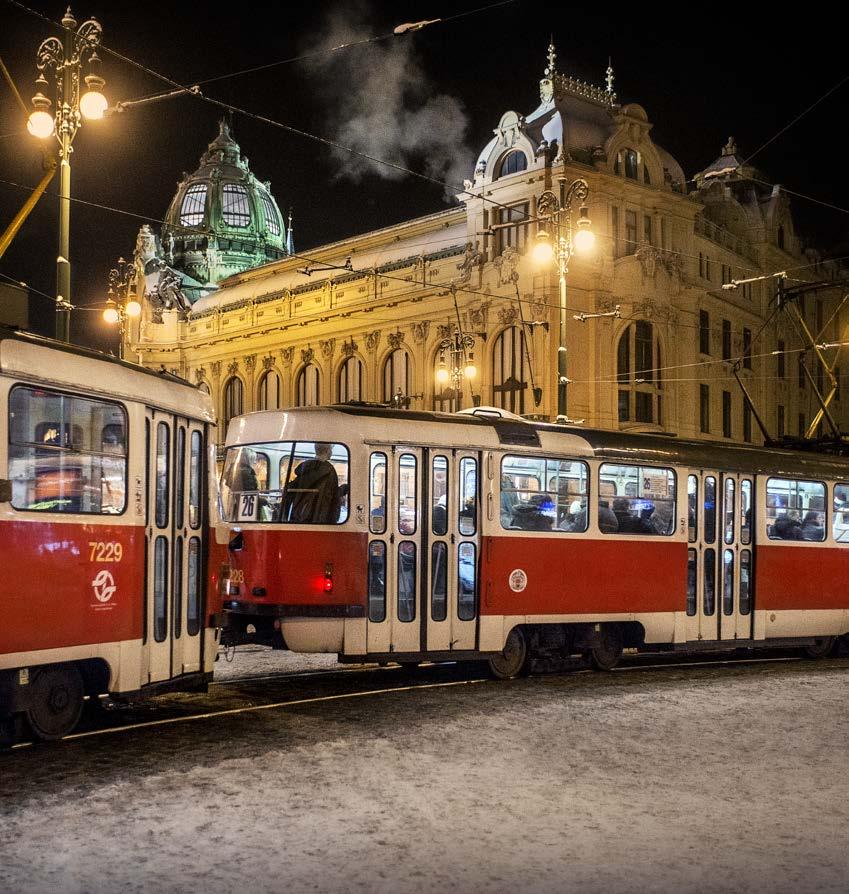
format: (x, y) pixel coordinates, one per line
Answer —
(104, 518)
(396, 535)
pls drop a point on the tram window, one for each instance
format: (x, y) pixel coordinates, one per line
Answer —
(542, 494)
(439, 496)
(709, 582)
(377, 493)
(194, 481)
(692, 511)
(710, 509)
(647, 501)
(466, 581)
(291, 482)
(406, 581)
(193, 588)
(468, 502)
(728, 582)
(729, 510)
(407, 493)
(66, 454)
(439, 578)
(377, 581)
(691, 582)
(745, 597)
(746, 511)
(180, 477)
(162, 473)
(840, 525)
(178, 587)
(160, 589)
(795, 510)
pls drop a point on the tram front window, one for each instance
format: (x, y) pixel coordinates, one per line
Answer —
(288, 482)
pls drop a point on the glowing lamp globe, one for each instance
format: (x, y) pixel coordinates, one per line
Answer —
(133, 309)
(442, 375)
(93, 104)
(584, 240)
(40, 124)
(543, 252)
(470, 371)
(111, 315)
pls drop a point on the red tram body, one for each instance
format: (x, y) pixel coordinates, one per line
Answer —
(105, 531)
(480, 535)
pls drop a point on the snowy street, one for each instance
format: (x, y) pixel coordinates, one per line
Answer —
(711, 777)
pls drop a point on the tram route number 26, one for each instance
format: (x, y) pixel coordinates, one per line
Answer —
(101, 551)
(248, 505)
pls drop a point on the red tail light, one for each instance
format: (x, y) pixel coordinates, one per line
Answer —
(328, 578)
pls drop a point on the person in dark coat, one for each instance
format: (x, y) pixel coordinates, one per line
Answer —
(312, 496)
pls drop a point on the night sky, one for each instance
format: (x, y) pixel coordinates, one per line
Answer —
(702, 72)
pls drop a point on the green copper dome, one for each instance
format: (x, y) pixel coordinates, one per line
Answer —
(222, 219)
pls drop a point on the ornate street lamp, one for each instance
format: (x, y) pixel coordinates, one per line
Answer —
(119, 306)
(66, 57)
(556, 240)
(456, 362)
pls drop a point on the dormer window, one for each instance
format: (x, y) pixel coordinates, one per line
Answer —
(629, 160)
(235, 210)
(194, 203)
(513, 163)
(272, 221)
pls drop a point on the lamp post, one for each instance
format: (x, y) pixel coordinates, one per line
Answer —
(121, 308)
(456, 361)
(556, 214)
(65, 57)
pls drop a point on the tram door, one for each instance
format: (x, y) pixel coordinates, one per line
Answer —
(453, 526)
(396, 525)
(735, 564)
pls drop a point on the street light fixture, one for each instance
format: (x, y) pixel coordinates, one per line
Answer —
(456, 361)
(66, 56)
(555, 215)
(119, 306)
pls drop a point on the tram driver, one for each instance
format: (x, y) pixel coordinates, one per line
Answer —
(312, 496)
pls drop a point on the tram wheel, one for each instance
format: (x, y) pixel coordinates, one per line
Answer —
(514, 659)
(56, 701)
(821, 648)
(607, 648)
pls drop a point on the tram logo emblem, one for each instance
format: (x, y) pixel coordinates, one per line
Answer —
(103, 586)
(518, 580)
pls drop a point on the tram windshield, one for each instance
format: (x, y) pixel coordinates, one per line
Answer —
(287, 482)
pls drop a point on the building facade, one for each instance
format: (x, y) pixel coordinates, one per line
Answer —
(405, 314)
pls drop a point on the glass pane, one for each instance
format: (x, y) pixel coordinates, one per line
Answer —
(178, 587)
(377, 581)
(162, 468)
(180, 477)
(841, 513)
(194, 481)
(745, 582)
(692, 503)
(728, 582)
(539, 494)
(467, 581)
(406, 581)
(795, 510)
(439, 581)
(643, 500)
(194, 202)
(439, 496)
(729, 510)
(691, 582)
(709, 582)
(468, 504)
(272, 219)
(377, 493)
(234, 205)
(193, 589)
(746, 511)
(407, 494)
(710, 509)
(160, 589)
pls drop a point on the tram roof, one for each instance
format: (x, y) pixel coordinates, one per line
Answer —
(44, 361)
(384, 425)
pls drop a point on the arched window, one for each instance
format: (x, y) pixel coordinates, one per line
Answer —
(272, 219)
(646, 176)
(308, 387)
(233, 398)
(194, 204)
(396, 375)
(628, 161)
(510, 373)
(351, 380)
(780, 236)
(268, 395)
(638, 373)
(512, 163)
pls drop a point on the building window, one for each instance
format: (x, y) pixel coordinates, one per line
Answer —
(640, 384)
(629, 160)
(747, 348)
(726, 339)
(780, 237)
(512, 163)
(704, 409)
(233, 399)
(701, 265)
(235, 210)
(802, 377)
(726, 414)
(513, 236)
(707, 267)
(510, 374)
(268, 395)
(194, 205)
(630, 232)
(782, 368)
(704, 332)
(614, 231)
(803, 426)
(647, 230)
(780, 421)
(272, 218)
(747, 422)
(396, 377)
(308, 387)
(351, 380)
(646, 177)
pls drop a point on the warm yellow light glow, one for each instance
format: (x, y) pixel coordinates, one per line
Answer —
(133, 309)
(543, 253)
(40, 124)
(93, 104)
(470, 370)
(442, 375)
(584, 240)
(111, 315)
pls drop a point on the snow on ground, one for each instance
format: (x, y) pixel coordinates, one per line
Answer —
(247, 661)
(691, 780)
